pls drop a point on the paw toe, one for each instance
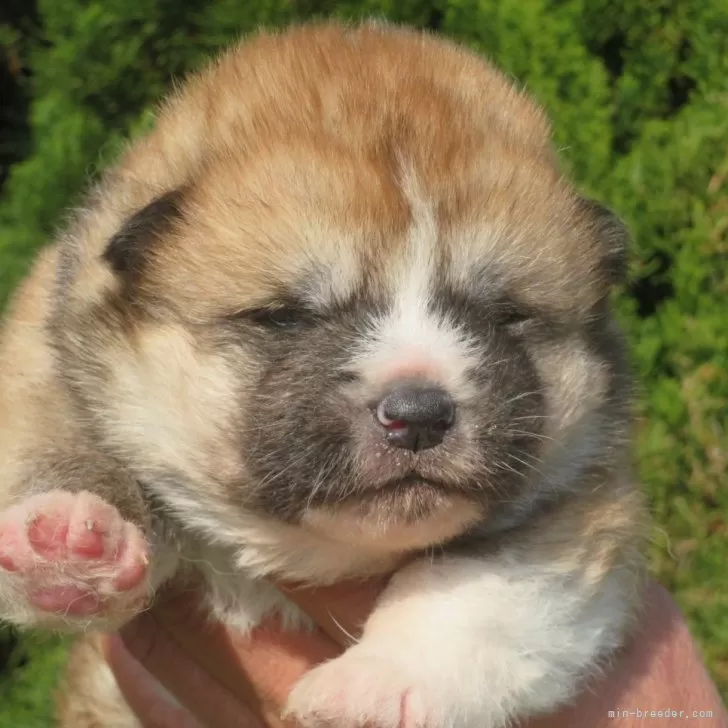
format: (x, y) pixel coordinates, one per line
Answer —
(358, 691)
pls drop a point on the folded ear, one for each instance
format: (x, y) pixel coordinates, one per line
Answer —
(129, 249)
(614, 237)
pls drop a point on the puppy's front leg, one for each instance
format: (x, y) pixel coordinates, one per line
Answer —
(476, 642)
(74, 527)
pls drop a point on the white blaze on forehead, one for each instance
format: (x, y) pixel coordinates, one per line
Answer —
(331, 253)
(412, 338)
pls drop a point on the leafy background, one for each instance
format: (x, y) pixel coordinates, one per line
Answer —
(638, 90)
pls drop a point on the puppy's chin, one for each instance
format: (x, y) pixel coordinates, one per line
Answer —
(395, 520)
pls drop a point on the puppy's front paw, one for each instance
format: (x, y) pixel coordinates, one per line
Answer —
(366, 687)
(66, 556)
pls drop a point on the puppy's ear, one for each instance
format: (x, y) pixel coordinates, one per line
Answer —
(131, 247)
(614, 237)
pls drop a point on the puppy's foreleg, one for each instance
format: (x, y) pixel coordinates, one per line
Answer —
(74, 529)
(477, 642)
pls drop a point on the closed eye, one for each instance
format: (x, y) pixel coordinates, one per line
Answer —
(516, 318)
(273, 316)
(513, 317)
(284, 317)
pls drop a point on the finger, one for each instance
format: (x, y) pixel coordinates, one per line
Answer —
(340, 610)
(259, 668)
(144, 695)
(159, 653)
(273, 661)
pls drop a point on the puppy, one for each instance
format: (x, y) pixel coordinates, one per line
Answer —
(338, 314)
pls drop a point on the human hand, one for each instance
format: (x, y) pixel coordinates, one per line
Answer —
(223, 680)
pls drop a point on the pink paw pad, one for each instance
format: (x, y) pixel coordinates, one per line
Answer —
(73, 552)
(68, 600)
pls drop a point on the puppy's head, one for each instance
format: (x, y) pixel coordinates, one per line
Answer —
(344, 286)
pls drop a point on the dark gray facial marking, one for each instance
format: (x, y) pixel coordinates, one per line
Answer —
(305, 432)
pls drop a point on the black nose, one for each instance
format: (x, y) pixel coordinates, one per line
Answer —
(416, 418)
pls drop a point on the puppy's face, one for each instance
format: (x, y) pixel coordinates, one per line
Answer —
(381, 322)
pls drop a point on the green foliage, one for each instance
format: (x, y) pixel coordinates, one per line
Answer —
(29, 680)
(639, 97)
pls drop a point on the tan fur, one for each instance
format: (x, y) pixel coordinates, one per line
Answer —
(26, 369)
(228, 147)
(88, 696)
(32, 400)
(279, 169)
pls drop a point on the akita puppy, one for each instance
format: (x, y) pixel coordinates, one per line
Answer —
(338, 314)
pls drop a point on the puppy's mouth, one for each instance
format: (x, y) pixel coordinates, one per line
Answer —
(410, 481)
(404, 488)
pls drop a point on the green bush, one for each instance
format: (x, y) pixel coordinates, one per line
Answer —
(638, 93)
